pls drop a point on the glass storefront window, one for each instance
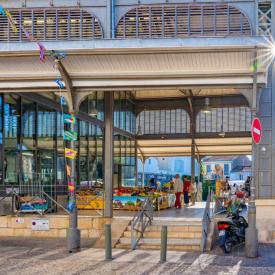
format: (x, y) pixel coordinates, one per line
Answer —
(125, 161)
(60, 132)
(46, 128)
(33, 137)
(124, 114)
(28, 125)
(93, 105)
(12, 130)
(12, 110)
(2, 167)
(83, 152)
(99, 153)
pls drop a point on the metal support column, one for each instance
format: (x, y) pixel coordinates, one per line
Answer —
(113, 21)
(136, 158)
(109, 18)
(143, 175)
(199, 167)
(193, 157)
(251, 237)
(108, 153)
(73, 233)
(192, 131)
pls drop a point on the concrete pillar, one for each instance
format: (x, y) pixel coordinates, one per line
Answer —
(108, 153)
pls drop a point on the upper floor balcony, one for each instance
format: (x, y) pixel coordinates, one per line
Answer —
(126, 20)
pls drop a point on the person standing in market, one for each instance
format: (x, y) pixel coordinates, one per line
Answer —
(226, 184)
(193, 191)
(247, 186)
(186, 188)
(199, 191)
(178, 187)
(152, 184)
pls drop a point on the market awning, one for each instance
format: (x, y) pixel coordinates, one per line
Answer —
(204, 147)
(135, 64)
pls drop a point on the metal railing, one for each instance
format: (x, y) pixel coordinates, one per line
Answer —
(11, 193)
(206, 220)
(140, 221)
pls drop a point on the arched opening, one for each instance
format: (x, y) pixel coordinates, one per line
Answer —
(171, 121)
(227, 119)
(183, 20)
(50, 24)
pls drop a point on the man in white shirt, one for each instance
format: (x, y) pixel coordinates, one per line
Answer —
(178, 188)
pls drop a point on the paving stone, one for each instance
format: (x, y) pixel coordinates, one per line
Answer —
(49, 256)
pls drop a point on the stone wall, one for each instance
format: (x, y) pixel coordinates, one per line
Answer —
(265, 220)
(90, 227)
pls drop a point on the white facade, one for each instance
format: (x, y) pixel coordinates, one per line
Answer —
(168, 165)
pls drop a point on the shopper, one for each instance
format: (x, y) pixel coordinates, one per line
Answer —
(247, 186)
(199, 191)
(186, 187)
(178, 187)
(152, 183)
(234, 189)
(171, 184)
(193, 191)
(226, 184)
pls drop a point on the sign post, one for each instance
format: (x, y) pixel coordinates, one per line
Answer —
(251, 236)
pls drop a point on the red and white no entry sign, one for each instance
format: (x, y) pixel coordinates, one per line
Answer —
(256, 130)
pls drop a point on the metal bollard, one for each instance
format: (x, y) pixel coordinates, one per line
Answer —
(12, 203)
(108, 242)
(163, 245)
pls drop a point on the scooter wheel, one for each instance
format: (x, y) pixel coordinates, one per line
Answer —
(227, 247)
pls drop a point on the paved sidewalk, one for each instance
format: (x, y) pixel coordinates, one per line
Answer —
(31, 256)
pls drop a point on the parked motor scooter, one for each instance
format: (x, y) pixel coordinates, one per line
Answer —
(232, 230)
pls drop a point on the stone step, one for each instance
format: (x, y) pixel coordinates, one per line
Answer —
(178, 222)
(157, 247)
(174, 228)
(171, 247)
(156, 241)
(171, 234)
(123, 246)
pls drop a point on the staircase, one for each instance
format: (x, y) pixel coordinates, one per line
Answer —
(183, 235)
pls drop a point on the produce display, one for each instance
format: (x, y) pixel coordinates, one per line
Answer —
(127, 202)
(90, 200)
(125, 198)
(31, 204)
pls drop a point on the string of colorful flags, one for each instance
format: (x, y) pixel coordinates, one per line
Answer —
(70, 154)
(42, 49)
(68, 119)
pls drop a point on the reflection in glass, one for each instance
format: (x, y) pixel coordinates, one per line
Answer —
(124, 161)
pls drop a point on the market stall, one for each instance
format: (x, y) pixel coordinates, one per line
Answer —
(126, 198)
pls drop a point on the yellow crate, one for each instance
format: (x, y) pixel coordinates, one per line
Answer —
(90, 202)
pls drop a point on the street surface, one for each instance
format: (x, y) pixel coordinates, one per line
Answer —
(49, 256)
